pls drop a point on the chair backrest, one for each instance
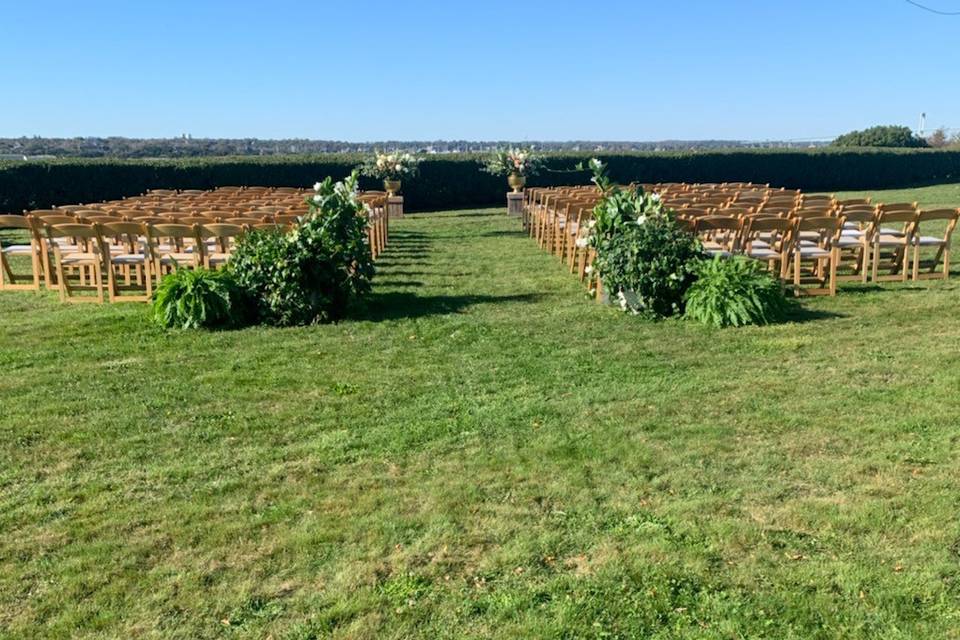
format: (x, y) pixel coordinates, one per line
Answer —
(905, 216)
(221, 230)
(853, 201)
(932, 215)
(130, 233)
(175, 232)
(87, 233)
(898, 206)
(829, 227)
(14, 222)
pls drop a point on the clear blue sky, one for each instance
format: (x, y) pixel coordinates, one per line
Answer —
(486, 69)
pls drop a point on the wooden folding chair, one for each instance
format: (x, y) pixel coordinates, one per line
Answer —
(173, 245)
(720, 235)
(128, 257)
(940, 243)
(767, 238)
(16, 250)
(217, 241)
(87, 257)
(897, 240)
(856, 240)
(821, 254)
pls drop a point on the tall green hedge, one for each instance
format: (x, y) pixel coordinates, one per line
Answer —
(455, 181)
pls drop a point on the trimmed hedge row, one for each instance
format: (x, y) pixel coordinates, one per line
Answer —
(455, 181)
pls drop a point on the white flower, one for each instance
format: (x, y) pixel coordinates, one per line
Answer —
(588, 269)
(591, 224)
(641, 220)
(595, 163)
(318, 199)
(582, 242)
(398, 167)
(317, 185)
(655, 197)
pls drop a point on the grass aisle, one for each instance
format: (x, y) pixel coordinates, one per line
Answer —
(483, 454)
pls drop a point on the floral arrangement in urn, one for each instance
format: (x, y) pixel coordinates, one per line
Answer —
(516, 164)
(391, 168)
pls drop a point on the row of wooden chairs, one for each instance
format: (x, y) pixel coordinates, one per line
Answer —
(73, 249)
(804, 240)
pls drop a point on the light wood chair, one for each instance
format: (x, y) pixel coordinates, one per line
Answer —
(821, 254)
(87, 258)
(173, 245)
(129, 258)
(10, 280)
(897, 240)
(940, 243)
(217, 240)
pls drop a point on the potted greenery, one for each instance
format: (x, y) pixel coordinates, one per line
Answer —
(645, 259)
(391, 168)
(516, 164)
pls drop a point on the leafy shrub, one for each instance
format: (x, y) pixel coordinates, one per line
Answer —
(454, 181)
(734, 292)
(883, 136)
(644, 257)
(312, 273)
(198, 298)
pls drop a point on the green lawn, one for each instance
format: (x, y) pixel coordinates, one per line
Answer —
(484, 454)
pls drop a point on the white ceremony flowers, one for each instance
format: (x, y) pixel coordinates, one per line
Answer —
(317, 185)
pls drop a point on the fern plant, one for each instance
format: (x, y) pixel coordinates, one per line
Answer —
(734, 292)
(197, 298)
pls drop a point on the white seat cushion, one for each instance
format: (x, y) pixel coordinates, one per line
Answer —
(18, 250)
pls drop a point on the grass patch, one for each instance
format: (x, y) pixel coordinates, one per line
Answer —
(484, 453)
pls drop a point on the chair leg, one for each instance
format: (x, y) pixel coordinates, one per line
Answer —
(834, 258)
(99, 276)
(112, 283)
(916, 262)
(876, 260)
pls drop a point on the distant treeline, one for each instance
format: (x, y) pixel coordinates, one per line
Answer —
(188, 147)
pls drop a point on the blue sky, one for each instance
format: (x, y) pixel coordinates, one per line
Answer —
(481, 70)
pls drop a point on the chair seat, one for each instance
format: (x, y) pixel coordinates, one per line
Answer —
(761, 253)
(18, 250)
(128, 258)
(888, 240)
(814, 252)
(719, 252)
(178, 258)
(79, 258)
(847, 242)
(218, 258)
(928, 241)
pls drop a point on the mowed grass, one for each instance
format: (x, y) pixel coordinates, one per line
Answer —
(484, 453)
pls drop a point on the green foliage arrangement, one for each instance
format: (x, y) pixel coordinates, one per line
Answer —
(452, 181)
(644, 257)
(198, 299)
(391, 166)
(734, 292)
(521, 162)
(882, 136)
(313, 273)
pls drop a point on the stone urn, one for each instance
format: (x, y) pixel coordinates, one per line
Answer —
(392, 187)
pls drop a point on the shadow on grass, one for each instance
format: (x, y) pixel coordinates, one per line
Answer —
(516, 233)
(399, 283)
(396, 305)
(799, 314)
